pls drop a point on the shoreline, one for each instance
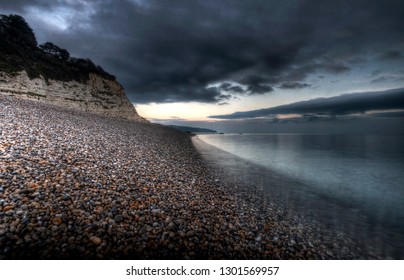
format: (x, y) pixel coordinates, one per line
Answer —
(255, 183)
(75, 185)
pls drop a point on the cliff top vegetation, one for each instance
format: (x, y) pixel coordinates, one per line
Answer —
(19, 51)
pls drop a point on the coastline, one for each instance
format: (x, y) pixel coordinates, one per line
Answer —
(273, 192)
(75, 185)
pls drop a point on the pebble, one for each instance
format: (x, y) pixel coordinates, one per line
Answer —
(95, 240)
(7, 208)
(57, 221)
(118, 218)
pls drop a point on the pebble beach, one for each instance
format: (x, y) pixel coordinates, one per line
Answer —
(75, 185)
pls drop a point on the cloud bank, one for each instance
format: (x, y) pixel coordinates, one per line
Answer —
(346, 104)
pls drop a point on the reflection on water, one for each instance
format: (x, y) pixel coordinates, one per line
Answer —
(350, 183)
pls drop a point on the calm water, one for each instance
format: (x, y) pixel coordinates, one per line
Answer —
(349, 183)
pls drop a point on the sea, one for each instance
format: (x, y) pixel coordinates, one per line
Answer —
(351, 184)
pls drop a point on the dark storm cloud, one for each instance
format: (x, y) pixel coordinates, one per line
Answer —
(228, 87)
(381, 79)
(19, 5)
(236, 89)
(300, 73)
(391, 55)
(294, 85)
(225, 86)
(337, 68)
(259, 89)
(376, 73)
(397, 76)
(166, 51)
(339, 105)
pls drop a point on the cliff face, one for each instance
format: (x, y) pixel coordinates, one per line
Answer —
(97, 95)
(48, 74)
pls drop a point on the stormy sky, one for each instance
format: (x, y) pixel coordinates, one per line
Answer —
(181, 59)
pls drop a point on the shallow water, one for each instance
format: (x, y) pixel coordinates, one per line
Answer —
(348, 183)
